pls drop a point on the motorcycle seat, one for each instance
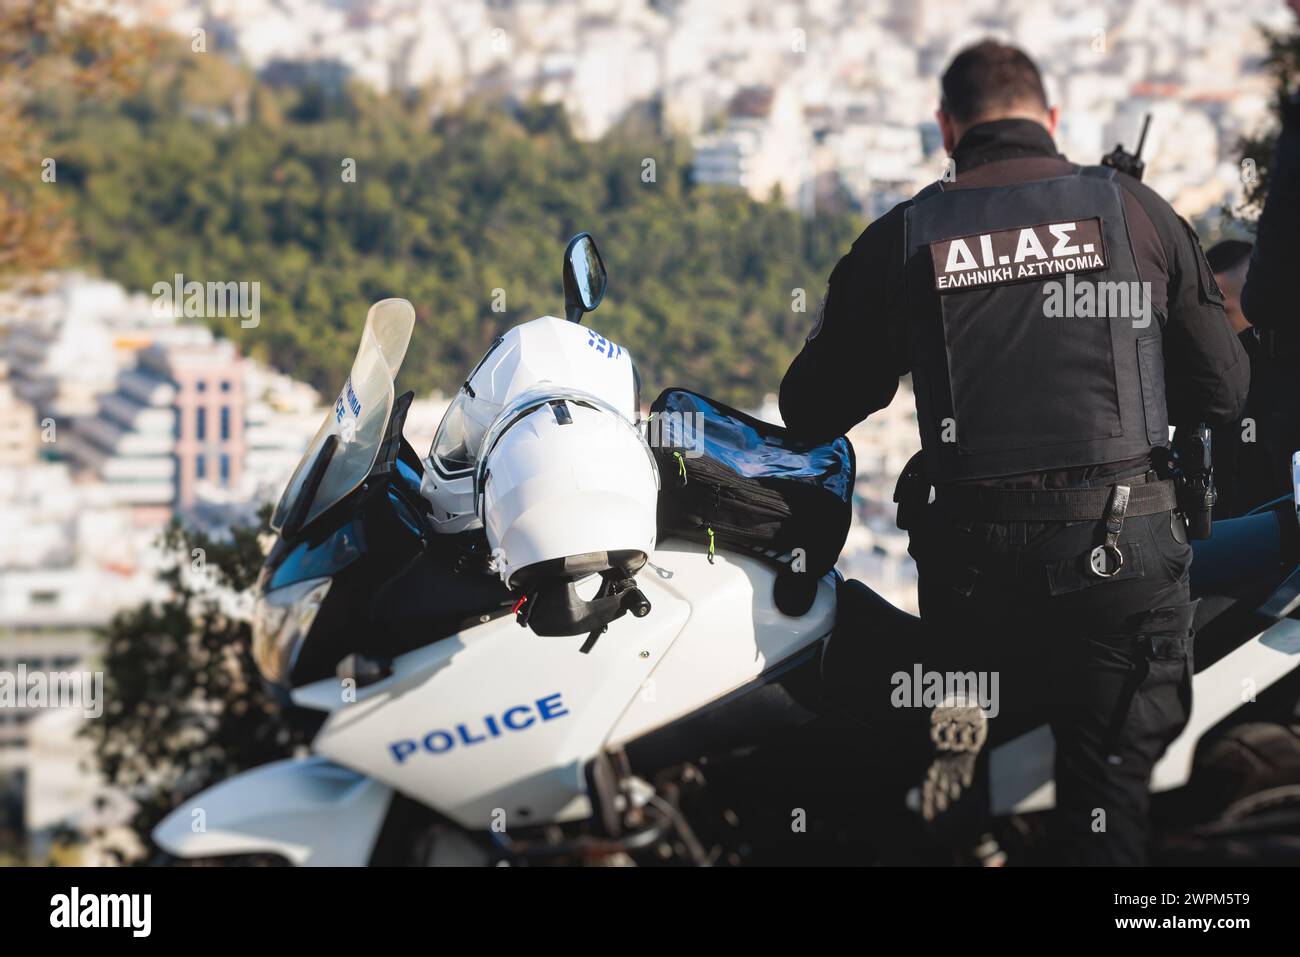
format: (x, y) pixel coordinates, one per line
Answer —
(865, 613)
(871, 640)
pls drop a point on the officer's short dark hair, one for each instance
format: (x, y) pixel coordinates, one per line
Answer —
(1229, 255)
(991, 78)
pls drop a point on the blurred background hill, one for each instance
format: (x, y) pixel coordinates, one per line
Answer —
(205, 170)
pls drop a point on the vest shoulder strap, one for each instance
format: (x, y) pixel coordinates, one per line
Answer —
(1100, 172)
(935, 187)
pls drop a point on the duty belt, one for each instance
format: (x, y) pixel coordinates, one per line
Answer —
(982, 504)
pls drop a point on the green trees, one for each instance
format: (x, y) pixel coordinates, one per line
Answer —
(48, 45)
(186, 708)
(466, 217)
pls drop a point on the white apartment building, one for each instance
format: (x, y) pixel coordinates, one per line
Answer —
(879, 164)
(60, 362)
(128, 444)
(173, 423)
(764, 146)
(68, 562)
(18, 430)
(280, 417)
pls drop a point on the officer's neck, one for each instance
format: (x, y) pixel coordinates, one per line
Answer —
(1003, 139)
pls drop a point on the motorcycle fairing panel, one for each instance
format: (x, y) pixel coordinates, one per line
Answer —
(309, 811)
(496, 718)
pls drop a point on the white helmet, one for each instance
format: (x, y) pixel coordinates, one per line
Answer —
(567, 488)
(545, 351)
(542, 447)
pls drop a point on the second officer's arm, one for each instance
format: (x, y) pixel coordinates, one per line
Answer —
(856, 350)
(1268, 300)
(1206, 371)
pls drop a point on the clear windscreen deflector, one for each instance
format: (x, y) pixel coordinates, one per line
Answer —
(358, 420)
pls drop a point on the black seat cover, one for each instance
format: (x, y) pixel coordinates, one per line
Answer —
(872, 640)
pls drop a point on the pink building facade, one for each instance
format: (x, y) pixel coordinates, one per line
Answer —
(209, 405)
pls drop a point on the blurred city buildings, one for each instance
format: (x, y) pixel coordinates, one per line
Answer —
(112, 420)
(825, 101)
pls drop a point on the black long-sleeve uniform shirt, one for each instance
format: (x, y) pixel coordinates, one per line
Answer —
(851, 363)
(1258, 469)
(1268, 299)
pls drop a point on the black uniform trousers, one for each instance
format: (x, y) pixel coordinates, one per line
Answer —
(1107, 662)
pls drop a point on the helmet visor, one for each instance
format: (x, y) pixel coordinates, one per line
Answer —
(454, 448)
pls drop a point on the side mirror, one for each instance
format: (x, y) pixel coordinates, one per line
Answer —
(584, 277)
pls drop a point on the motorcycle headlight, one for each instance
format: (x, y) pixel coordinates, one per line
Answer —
(281, 620)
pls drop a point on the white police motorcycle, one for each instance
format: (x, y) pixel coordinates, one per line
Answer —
(390, 607)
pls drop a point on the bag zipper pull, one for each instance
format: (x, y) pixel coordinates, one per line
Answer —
(681, 465)
(710, 531)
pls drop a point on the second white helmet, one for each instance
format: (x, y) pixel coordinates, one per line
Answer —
(544, 351)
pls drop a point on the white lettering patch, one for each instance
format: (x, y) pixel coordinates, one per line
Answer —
(1014, 255)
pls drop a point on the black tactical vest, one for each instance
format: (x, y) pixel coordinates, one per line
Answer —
(1035, 345)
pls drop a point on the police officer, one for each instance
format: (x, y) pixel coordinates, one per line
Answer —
(1269, 304)
(1252, 458)
(1053, 552)
(1269, 297)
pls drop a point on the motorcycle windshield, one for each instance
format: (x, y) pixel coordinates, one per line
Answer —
(358, 420)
